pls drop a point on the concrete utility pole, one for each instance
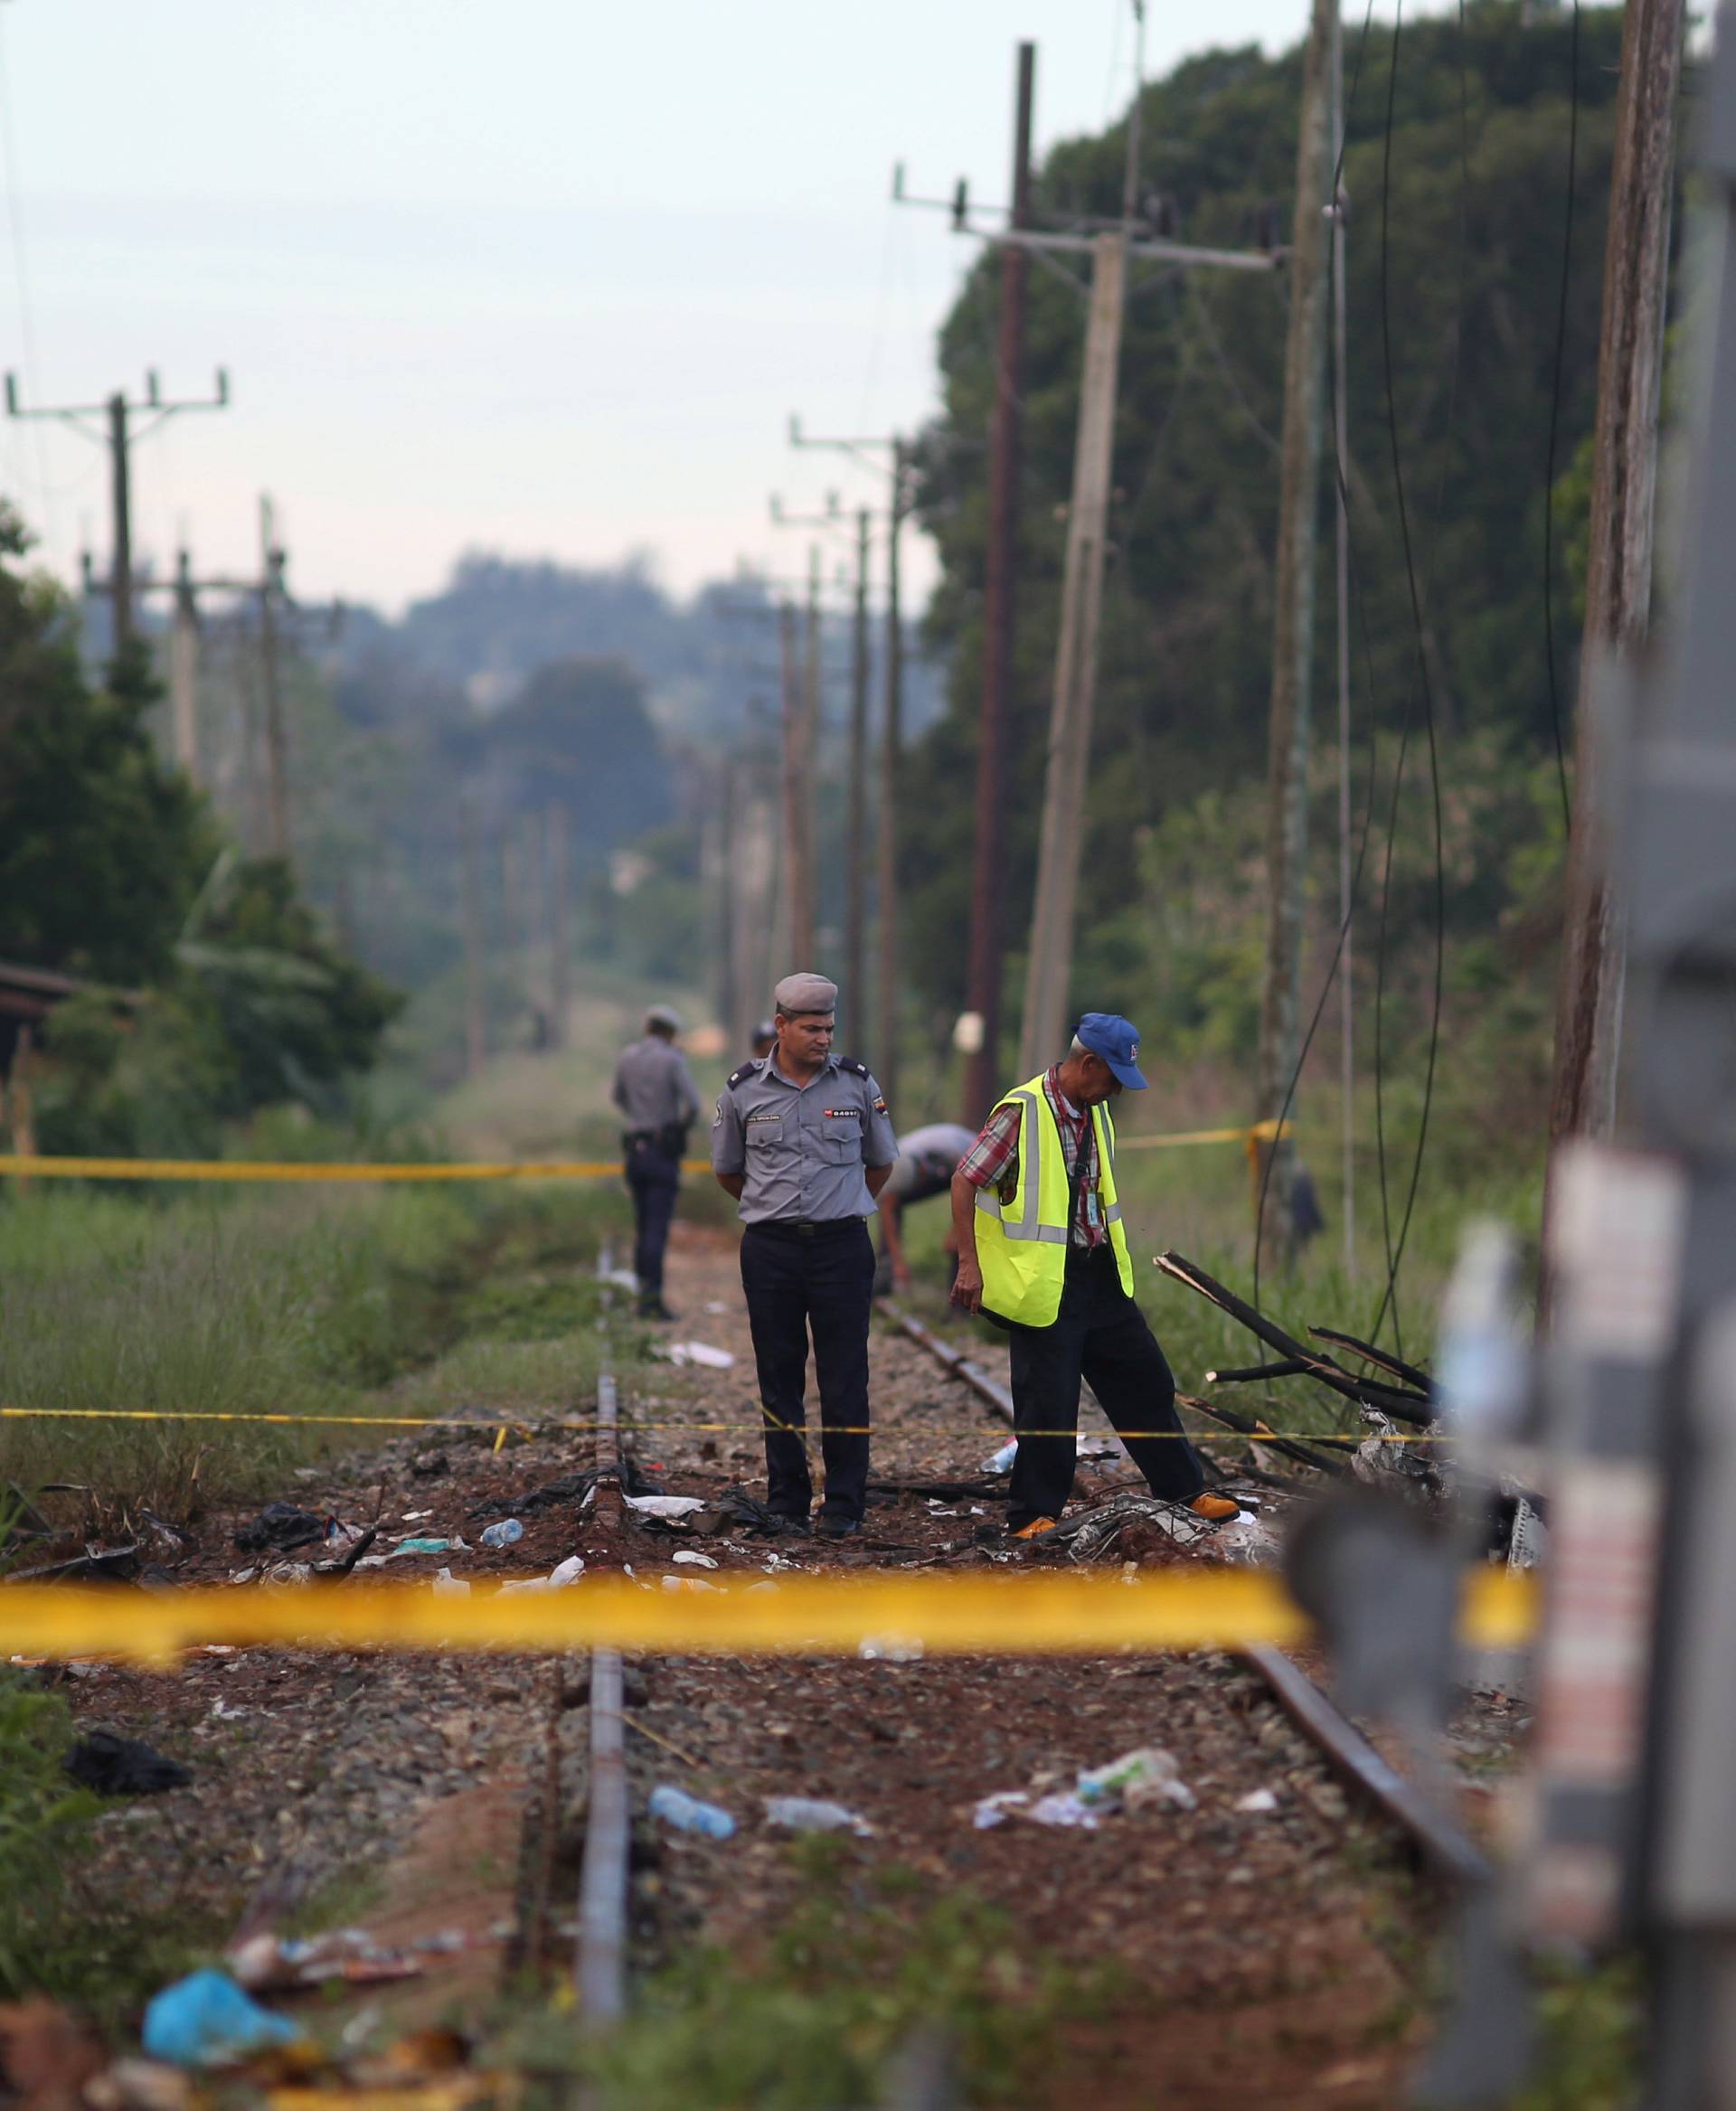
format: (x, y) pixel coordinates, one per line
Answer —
(1113, 247)
(117, 434)
(891, 457)
(1286, 816)
(1618, 573)
(184, 670)
(1075, 696)
(277, 746)
(855, 918)
(1000, 617)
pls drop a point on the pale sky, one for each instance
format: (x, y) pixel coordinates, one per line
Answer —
(545, 277)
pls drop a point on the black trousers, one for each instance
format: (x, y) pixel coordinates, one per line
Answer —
(652, 1178)
(1100, 1334)
(822, 1283)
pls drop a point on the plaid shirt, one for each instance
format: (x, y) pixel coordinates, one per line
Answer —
(993, 1160)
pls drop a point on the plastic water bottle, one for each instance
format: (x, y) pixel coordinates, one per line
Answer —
(507, 1533)
(686, 1814)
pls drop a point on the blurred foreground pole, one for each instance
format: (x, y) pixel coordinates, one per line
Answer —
(1618, 570)
(1298, 507)
(1000, 615)
(1044, 1036)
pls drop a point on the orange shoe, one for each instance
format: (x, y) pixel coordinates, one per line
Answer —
(1035, 1529)
(1215, 1509)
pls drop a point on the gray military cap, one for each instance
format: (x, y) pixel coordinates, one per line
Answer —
(806, 992)
(664, 1015)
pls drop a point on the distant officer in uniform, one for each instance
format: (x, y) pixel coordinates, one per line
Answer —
(803, 1141)
(765, 1039)
(654, 1088)
(926, 1159)
(1043, 1252)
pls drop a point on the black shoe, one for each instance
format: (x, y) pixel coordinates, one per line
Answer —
(837, 1528)
(796, 1527)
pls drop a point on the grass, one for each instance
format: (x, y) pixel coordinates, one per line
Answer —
(297, 1301)
(849, 1978)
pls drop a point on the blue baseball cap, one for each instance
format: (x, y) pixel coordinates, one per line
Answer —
(1117, 1041)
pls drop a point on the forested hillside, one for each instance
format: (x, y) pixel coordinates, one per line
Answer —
(1456, 173)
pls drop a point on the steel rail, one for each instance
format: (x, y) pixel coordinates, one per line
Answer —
(600, 1961)
(1444, 1845)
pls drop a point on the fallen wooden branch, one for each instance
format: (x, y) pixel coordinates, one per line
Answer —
(1304, 1453)
(1409, 1372)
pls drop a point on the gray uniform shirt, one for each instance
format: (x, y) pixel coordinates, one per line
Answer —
(801, 1148)
(927, 1158)
(653, 1085)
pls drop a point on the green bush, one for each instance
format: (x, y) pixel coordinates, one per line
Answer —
(41, 1816)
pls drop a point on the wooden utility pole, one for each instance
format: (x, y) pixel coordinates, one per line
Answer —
(855, 878)
(891, 741)
(1075, 695)
(116, 432)
(475, 1035)
(799, 863)
(1619, 572)
(184, 670)
(560, 926)
(1287, 813)
(277, 742)
(1000, 616)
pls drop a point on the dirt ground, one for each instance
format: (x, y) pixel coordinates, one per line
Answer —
(1261, 1956)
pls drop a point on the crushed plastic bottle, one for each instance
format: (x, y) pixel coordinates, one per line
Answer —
(686, 1814)
(1001, 1461)
(507, 1533)
(1146, 1775)
(446, 1585)
(803, 1813)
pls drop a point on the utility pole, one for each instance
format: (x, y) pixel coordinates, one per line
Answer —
(559, 928)
(1340, 223)
(1287, 813)
(184, 670)
(1619, 572)
(117, 434)
(1113, 246)
(277, 747)
(1000, 617)
(855, 937)
(470, 910)
(798, 794)
(891, 458)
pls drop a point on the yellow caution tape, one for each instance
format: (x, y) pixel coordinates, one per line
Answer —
(802, 1616)
(1260, 1132)
(340, 1170)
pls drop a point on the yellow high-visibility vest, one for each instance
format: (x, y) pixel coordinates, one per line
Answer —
(1022, 1243)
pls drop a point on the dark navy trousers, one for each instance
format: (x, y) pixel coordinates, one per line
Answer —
(653, 1178)
(820, 1281)
(1100, 1335)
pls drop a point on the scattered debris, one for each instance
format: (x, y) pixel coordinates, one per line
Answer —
(139, 2085)
(421, 1546)
(47, 2055)
(697, 1352)
(507, 1533)
(687, 1813)
(1148, 1775)
(566, 1572)
(206, 2019)
(1089, 1534)
(97, 1564)
(664, 1505)
(281, 1527)
(116, 1766)
(428, 1465)
(802, 1814)
(686, 1583)
(446, 1585)
(1257, 1801)
(696, 1560)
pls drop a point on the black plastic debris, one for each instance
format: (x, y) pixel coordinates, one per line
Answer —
(280, 1526)
(118, 1766)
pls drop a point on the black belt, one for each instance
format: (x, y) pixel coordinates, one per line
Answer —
(805, 1227)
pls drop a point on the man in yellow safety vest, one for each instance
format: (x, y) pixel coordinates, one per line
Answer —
(1043, 1253)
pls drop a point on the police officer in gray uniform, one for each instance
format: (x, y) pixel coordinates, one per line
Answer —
(654, 1088)
(803, 1142)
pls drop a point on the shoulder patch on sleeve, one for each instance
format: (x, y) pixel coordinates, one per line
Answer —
(747, 1070)
(855, 1069)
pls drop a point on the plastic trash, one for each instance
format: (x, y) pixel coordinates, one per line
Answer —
(1147, 1775)
(803, 1814)
(1257, 1800)
(206, 2019)
(1062, 1808)
(664, 1505)
(280, 1526)
(701, 1354)
(686, 1814)
(416, 1546)
(696, 1560)
(446, 1585)
(1002, 1460)
(686, 1583)
(566, 1572)
(507, 1533)
(118, 1766)
(996, 1810)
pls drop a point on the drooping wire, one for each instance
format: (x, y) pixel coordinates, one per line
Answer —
(1555, 417)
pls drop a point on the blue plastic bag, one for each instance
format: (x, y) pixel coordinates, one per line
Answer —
(207, 2019)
